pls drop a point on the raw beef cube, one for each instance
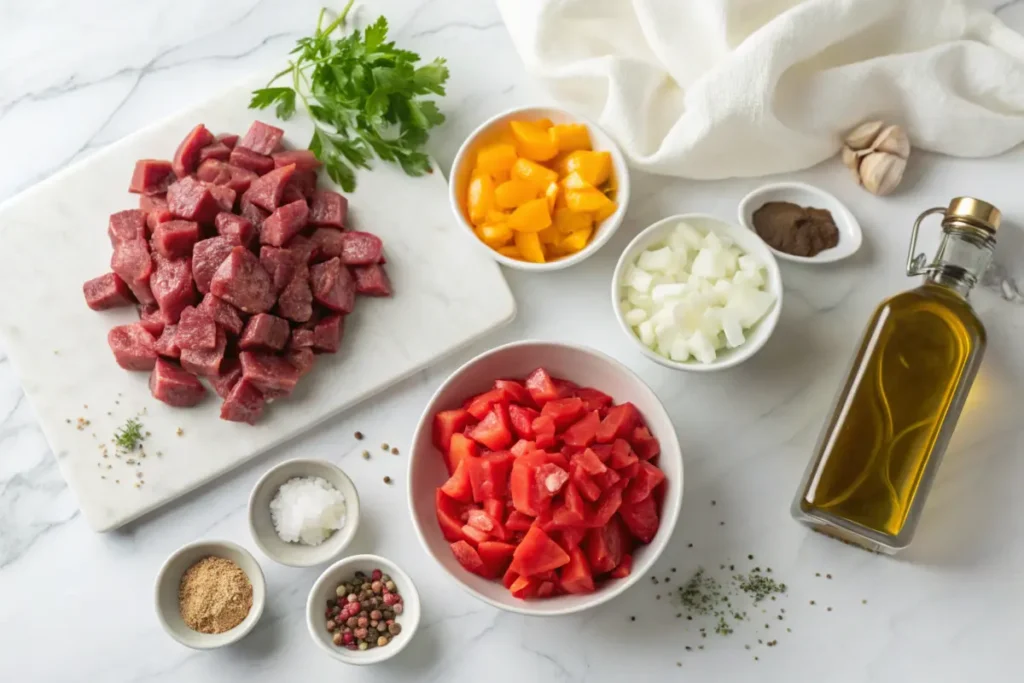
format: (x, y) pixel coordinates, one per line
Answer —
(280, 264)
(372, 280)
(205, 362)
(328, 209)
(327, 334)
(125, 226)
(266, 191)
(272, 375)
(167, 344)
(151, 176)
(190, 199)
(302, 247)
(154, 327)
(133, 347)
(150, 313)
(302, 338)
(302, 359)
(264, 332)
(156, 217)
(292, 194)
(303, 159)
(227, 139)
(361, 249)
(235, 229)
(223, 195)
(261, 137)
(131, 261)
(304, 181)
(333, 285)
(175, 387)
(242, 282)
(223, 313)
(284, 223)
(175, 239)
(244, 403)
(230, 373)
(253, 161)
(171, 284)
(107, 291)
(187, 155)
(255, 214)
(218, 150)
(221, 173)
(327, 244)
(207, 255)
(296, 299)
(153, 202)
(196, 330)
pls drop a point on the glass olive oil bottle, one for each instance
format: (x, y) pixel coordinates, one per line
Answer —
(896, 410)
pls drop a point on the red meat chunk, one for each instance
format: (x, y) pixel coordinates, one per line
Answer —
(333, 285)
(327, 244)
(190, 199)
(224, 196)
(328, 209)
(218, 150)
(133, 346)
(303, 159)
(187, 155)
(156, 217)
(196, 330)
(301, 359)
(327, 333)
(175, 239)
(205, 362)
(296, 299)
(280, 264)
(221, 173)
(236, 229)
(264, 332)
(171, 285)
(244, 403)
(301, 339)
(284, 223)
(151, 176)
(229, 140)
(253, 213)
(304, 181)
(223, 313)
(230, 373)
(207, 256)
(167, 343)
(372, 280)
(175, 387)
(273, 375)
(261, 138)
(302, 246)
(266, 191)
(253, 161)
(292, 194)
(154, 202)
(125, 226)
(361, 249)
(150, 313)
(242, 282)
(131, 261)
(107, 291)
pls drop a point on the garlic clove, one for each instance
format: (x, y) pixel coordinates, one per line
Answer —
(881, 172)
(894, 141)
(852, 161)
(863, 135)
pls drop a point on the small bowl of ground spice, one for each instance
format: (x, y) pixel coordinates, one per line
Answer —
(801, 223)
(209, 594)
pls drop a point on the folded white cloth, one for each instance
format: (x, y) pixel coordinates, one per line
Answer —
(720, 88)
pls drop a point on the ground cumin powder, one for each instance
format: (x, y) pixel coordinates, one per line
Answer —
(214, 595)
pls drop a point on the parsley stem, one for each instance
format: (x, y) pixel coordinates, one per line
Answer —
(341, 18)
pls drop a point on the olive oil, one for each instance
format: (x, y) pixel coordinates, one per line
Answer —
(897, 408)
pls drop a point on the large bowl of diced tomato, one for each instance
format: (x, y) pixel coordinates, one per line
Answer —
(545, 478)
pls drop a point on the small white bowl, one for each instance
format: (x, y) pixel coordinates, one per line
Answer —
(168, 581)
(746, 240)
(578, 364)
(462, 169)
(324, 590)
(802, 194)
(261, 525)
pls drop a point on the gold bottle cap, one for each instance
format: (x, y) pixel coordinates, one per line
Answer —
(974, 212)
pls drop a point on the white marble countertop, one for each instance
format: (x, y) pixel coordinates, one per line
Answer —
(77, 606)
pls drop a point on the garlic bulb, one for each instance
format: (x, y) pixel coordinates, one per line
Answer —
(877, 154)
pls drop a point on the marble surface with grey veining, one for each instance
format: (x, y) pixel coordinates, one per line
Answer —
(77, 606)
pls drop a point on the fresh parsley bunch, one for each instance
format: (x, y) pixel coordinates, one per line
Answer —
(365, 97)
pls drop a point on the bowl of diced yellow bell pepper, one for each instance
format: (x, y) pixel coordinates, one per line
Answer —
(539, 188)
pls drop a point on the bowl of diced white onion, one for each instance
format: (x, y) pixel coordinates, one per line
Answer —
(696, 293)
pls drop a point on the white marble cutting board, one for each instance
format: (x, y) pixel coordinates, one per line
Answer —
(53, 238)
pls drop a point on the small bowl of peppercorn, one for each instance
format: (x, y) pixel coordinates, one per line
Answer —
(363, 610)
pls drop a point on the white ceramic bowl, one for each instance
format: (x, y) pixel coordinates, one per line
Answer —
(585, 367)
(746, 240)
(168, 581)
(465, 159)
(261, 525)
(324, 590)
(802, 194)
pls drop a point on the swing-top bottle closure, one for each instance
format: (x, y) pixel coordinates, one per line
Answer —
(969, 226)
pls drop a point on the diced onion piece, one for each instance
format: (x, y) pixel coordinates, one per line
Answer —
(635, 316)
(750, 304)
(709, 263)
(656, 259)
(732, 328)
(668, 291)
(689, 236)
(640, 280)
(680, 350)
(639, 300)
(646, 331)
(748, 278)
(701, 348)
(749, 263)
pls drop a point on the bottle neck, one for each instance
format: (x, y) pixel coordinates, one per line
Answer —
(961, 260)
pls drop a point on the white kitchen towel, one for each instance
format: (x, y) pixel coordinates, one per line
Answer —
(720, 88)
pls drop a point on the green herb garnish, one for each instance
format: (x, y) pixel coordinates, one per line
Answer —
(128, 437)
(364, 96)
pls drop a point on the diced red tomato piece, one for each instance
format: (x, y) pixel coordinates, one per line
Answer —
(496, 556)
(542, 389)
(618, 423)
(488, 475)
(589, 462)
(605, 546)
(449, 516)
(481, 404)
(522, 447)
(458, 485)
(644, 445)
(603, 451)
(473, 535)
(514, 391)
(641, 518)
(495, 507)
(517, 521)
(565, 386)
(576, 577)
(629, 471)
(494, 431)
(564, 411)
(544, 431)
(647, 478)
(606, 507)
(622, 455)
(461, 449)
(624, 569)
(586, 485)
(593, 399)
(557, 459)
(509, 578)
(478, 519)
(584, 431)
(522, 420)
(469, 558)
(523, 587)
(546, 589)
(534, 482)
(570, 537)
(572, 512)
(607, 479)
(537, 553)
(446, 423)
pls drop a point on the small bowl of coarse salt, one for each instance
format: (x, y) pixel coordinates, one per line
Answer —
(303, 512)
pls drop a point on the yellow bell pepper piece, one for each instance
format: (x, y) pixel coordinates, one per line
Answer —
(549, 236)
(497, 159)
(570, 136)
(494, 235)
(533, 216)
(551, 194)
(567, 221)
(532, 141)
(607, 209)
(512, 251)
(575, 240)
(533, 173)
(495, 216)
(480, 198)
(543, 123)
(574, 181)
(513, 193)
(593, 167)
(529, 246)
(587, 200)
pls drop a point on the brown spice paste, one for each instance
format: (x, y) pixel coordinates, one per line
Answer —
(214, 596)
(797, 230)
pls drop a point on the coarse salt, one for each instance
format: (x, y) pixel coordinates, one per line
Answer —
(307, 510)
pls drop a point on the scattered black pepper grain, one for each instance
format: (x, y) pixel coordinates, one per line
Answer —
(679, 663)
(789, 630)
(721, 524)
(812, 602)
(657, 597)
(732, 567)
(828, 576)
(632, 618)
(700, 647)
(387, 480)
(689, 649)
(673, 570)
(679, 615)
(828, 609)
(394, 450)
(817, 573)
(750, 557)
(756, 658)
(779, 617)
(384, 446)
(688, 545)
(359, 436)
(713, 503)
(863, 602)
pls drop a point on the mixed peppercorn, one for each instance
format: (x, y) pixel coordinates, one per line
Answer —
(364, 613)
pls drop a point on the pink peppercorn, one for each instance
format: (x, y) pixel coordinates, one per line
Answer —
(360, 633)
(354, 607)
(376, 574)
(363, 622)
(351, 646)
(347, 638)
(398, 608)
(390, 599)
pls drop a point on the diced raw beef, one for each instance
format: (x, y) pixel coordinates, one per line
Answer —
(133, 347)
(333, 285)
(156, 217)
(167, 344)
(303, 159)
(205, 362)
(284, 223)
(131, 261)
(175, 239)
(327, 244)
(296, 299)
(266, 191)
(190, 199)
(244, 403)
(196, 330)
(171, 284)
(125, 226)
(372, 280)
(234, 228)
(153, 202)
(328, 209)
(207, 255)
(264, 332)
(175, 387)
(150, 312)
(223, 313)
(107, 291)
(272, 375)
(361, 249)
(246, 158)
(154, 327)
(304, 182)
(255, 214)
(302, 247)
(302, 359)
(230, 373)
(187, 155)
(327, 334)
(261, 137)
(242, 282)
(292, 194)
(280, 264)
(217, 150)
(224, 196)
(221, 173)
(151, 176)
(228, 139)
(301, 339)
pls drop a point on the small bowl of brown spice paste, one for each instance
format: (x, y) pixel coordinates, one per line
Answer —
(209, 594)
(801, 223)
